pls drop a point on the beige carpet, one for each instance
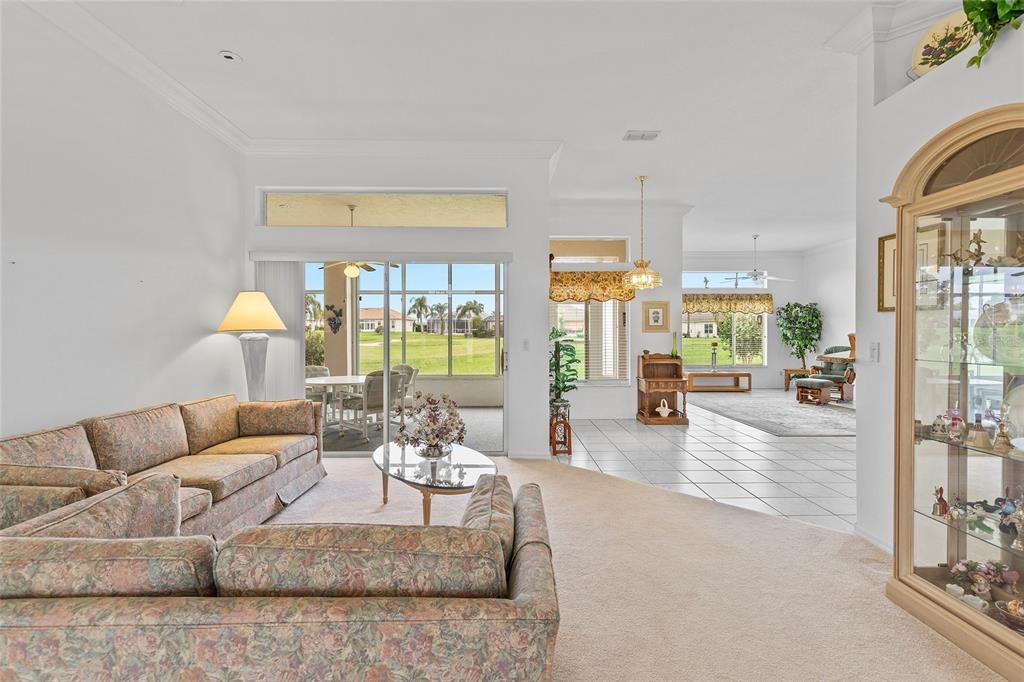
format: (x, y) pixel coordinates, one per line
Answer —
(656, 585)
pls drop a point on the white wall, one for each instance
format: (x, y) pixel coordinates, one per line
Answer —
(121, 235)
(663, 231)
(888, 135)
(830, 278)
(524, 244)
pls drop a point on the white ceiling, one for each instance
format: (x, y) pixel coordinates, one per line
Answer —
(759, 118)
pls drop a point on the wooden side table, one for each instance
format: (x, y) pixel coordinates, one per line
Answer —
(787, 375)
(735, 387)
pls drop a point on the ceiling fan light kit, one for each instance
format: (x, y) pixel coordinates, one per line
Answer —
(642, 276)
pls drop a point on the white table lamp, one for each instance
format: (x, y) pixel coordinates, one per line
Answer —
(253, 315)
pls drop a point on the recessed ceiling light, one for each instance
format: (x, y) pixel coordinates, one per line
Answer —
(229, 56)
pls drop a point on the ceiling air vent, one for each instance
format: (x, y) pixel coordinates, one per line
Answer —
(641, 135)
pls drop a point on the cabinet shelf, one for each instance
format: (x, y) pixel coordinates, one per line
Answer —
(1014, 455)
(998, 539)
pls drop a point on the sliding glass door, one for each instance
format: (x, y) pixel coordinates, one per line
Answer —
(438, 327)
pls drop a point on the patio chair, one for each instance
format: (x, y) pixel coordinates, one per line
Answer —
(371, 401)
(321, 394)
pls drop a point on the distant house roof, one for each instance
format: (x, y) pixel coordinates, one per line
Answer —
(377, 314)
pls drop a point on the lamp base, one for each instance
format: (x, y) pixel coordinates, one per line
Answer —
(254, 355)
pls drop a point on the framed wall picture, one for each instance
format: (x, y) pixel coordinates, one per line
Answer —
(887, 273)
(656, 316)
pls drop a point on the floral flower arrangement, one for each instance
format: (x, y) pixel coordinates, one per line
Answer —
(434, 422)
(980, 577)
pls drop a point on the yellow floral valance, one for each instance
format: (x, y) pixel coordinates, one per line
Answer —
(589, 286)
(754, 304)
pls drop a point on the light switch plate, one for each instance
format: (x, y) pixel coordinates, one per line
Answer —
(875, 352)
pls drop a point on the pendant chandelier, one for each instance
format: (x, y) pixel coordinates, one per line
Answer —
(642, 277)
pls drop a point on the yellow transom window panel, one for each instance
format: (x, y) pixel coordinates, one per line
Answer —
(386, 209)
(754, 304)
(589, 286)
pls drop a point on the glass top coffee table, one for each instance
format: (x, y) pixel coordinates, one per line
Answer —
(454, 474)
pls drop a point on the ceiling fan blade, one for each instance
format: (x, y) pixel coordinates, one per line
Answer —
(366, 266)
(333, 265)
(777, 279)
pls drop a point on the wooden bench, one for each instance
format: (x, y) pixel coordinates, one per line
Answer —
(734, 387)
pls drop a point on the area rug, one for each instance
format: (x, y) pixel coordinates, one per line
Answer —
(778, 412)
(658, 585)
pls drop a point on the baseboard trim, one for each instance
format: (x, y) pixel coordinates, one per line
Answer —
(884, 545)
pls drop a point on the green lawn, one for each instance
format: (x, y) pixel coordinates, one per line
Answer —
(428, 353)
(697, 351)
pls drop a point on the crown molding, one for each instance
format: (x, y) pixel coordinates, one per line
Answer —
(93, 34)
(882, 22)
(544, 150)
(604, 204)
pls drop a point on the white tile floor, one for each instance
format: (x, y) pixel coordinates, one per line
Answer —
(809, 479)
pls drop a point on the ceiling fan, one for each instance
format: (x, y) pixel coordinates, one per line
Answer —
(352, 267)
(756, 276)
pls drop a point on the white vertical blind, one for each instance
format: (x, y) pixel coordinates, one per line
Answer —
(284, 284)
(599, 331)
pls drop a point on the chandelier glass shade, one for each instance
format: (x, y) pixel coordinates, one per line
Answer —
(642, 276)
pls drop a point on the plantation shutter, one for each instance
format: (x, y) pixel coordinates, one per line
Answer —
(604, 347)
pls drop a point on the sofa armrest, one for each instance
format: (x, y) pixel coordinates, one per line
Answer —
(532, 575)
(89, 567)
(91, 481)
(318, 430)
(270, 418)
(340, 560)
(147, 507)
(23, 502)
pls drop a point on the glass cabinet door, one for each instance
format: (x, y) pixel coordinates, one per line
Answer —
(968, 463)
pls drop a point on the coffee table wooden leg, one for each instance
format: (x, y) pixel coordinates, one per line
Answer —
(426, 508)
(384, 481)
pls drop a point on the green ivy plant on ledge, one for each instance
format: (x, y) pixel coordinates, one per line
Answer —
(988, 18)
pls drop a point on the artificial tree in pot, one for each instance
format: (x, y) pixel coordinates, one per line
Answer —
(800, 327)
(562, 373)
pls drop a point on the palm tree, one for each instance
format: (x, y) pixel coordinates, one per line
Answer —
(314, 312)
(469, 309)
(440, 311)
(420, 309)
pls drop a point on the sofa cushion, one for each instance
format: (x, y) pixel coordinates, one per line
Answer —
(147, 507)
(210, 421)
(194, 501)
(137, 440)
(325, 560)
(490, 508)
(274, 417)
(285, 448)
(220, 474)
(23, 502)
(92, 481)
(65, 446)
(88, 567)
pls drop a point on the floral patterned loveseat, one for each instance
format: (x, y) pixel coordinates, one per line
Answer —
(80, 598)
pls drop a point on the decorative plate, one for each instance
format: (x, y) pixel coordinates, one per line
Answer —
(942, 41)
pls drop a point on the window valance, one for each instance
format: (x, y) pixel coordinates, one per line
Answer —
(589, 286)
(754, 304)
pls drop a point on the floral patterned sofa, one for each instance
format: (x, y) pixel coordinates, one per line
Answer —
(238, 463)
(323, 601)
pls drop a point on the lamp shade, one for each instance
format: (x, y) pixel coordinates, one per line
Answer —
(252, 312)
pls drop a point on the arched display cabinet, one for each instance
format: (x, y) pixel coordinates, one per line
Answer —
(960, 386)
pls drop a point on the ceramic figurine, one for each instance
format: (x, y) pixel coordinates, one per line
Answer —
(1002, 441)
(978, 520)
(958, 257)
(1019, 253)
(974, 250)
(939, 427)
(1016, 521)
(977, 435)
(941, 507)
